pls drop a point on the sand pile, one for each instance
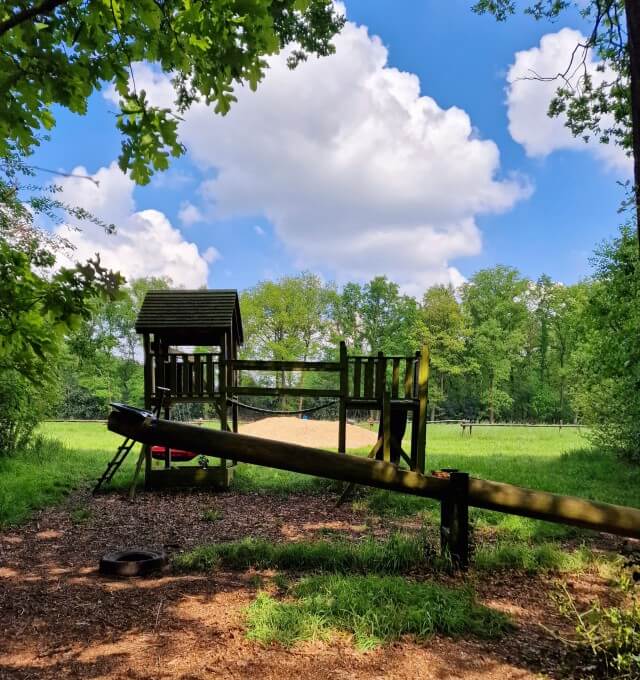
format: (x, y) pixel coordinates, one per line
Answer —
(318, 433)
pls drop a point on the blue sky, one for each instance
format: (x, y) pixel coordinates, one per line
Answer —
(344, 170)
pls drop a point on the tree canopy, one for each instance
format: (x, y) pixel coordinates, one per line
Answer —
(59, 52)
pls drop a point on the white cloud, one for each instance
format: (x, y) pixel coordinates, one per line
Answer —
(189, 214)
(146, 244)
(528, 99)
(358, 173)
(211, 254)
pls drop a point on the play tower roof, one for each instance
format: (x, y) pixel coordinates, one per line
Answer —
(191, 317)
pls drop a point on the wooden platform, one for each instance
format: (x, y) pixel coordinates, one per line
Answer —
(190, 477)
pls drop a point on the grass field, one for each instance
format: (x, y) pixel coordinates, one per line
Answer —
(545, 458)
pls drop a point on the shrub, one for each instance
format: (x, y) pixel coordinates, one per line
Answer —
(611, 635)
(22, 406)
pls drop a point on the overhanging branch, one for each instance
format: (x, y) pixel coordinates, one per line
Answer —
(45, 7)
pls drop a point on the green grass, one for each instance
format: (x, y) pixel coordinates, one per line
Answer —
(374, 609)
(41, 476)
(81, 515)
(211, 516)
(544, 557)
(399, 554)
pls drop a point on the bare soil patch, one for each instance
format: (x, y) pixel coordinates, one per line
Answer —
(307, 432)
(60, 619)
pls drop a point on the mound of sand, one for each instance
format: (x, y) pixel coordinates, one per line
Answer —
(318, 433)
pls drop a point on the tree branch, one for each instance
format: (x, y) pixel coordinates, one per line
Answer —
(45, 7)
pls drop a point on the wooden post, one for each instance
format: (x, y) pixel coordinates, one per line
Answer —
(234, 383)
(344, 393)
(381, 376)
(147, 371)
(454, 520)
(386, 426)
(148, 380)
(223, 391)
(421, 433)
(167, 450)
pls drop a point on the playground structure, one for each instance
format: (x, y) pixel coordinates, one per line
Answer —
(395, 386)
(210, 320)
(456, 491)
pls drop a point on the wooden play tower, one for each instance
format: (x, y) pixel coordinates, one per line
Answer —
(210, 321)
(191, 340)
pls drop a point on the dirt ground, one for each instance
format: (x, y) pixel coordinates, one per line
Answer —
(320, 433)
(60, 619)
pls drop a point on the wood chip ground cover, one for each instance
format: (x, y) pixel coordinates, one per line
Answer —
(60, 619)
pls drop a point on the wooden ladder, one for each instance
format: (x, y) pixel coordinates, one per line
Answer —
(115, 463)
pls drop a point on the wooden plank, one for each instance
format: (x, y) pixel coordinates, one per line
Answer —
(423, 380)
(190, 381)
(256, 365)
(284, 391)
(179, 378)
(368, 378)
(198, 387)
(214, 477)
(209, 375)
(357, 377)
(386, 427)
(381, 375)
(148, 367)
(172, 374)
(408, 378)
(395, 378)
(224, 394)
(344, 393)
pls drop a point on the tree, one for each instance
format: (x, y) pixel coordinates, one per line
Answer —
(102, 362)
(38, 304)
(494, 303)
(608, 110)
(606, 364)
(287, 320)
(386, 317)
(59, 52)
(346, 314)
(441, 326)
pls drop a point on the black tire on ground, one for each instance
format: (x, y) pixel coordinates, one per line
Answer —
(132, 562)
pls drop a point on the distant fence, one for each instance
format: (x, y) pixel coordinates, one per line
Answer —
(463, 423)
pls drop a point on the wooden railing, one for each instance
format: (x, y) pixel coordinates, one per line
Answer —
(371, 376)
(199, 376)
(192, 377)
(365, 382)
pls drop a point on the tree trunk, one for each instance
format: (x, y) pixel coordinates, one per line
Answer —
(632, 10)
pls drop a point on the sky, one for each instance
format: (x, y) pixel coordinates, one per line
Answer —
(417, 151)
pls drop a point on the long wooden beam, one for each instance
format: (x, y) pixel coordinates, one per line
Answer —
(506, 498)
